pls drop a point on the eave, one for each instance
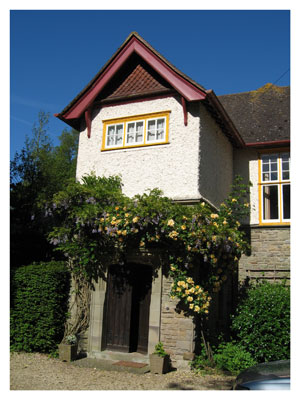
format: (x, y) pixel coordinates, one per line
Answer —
(269, 144)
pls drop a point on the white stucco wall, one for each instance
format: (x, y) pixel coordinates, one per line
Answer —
(171, 167)
(246, 165)
(216, 160)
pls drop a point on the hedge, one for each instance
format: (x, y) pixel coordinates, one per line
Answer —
(39, 305)
(262, 322)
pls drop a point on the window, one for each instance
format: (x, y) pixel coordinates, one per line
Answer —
(274, 188)
(142, 130)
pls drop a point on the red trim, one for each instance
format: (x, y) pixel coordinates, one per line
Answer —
(88, 121)
(269, 144)
(186, 89)
(183, 102)
(140, 99)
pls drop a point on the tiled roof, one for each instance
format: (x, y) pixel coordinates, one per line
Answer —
(140, 80)
(261, 115)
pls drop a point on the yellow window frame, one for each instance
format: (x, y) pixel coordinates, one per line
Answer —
(279, 183)
(135, 118)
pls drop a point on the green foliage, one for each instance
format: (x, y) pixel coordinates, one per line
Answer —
(96, 221)
(232, 357)
(262, 322)
(159, 350)
(201, 362)
(226, 356)
(37, 172)
(39, 301)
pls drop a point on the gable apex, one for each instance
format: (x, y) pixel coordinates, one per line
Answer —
(133, 44)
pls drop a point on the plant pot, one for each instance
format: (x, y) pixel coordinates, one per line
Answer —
(158, 364)
(67, 352)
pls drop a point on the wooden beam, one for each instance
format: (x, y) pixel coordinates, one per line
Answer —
(88, 121)
(185, 116)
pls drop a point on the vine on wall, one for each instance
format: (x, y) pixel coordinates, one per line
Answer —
(95, 221)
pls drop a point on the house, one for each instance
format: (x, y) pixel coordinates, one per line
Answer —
(144, 119)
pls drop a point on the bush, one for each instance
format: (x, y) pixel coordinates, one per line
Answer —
(201, 362)
(262, 322)
(232, 357)
(39, 305)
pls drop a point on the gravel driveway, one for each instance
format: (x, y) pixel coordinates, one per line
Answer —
(38, 372)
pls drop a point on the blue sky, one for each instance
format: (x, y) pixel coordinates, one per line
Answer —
(55, 53)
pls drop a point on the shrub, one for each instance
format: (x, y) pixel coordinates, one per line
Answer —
(39, 302)
(262, 322)
(201, 362)
(232, 357)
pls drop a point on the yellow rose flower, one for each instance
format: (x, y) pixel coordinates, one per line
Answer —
(142, 244)
(197, 308)
(119, 232)
(213, 216)
(191, 306)
(225, 222)
(126, 215)
(171, 222)
(206, 311)
(116, 208)
(190, 280)
(189, 298)
(124, 233)
(234, 200)
(178, 289)
(135, 219)
(183, 227)
(173, 268)
(215, 224)
(173, 234)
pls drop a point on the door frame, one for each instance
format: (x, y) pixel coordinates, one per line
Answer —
(95, 332)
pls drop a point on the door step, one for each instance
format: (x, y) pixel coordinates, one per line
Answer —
(109, 365)
(120, 356)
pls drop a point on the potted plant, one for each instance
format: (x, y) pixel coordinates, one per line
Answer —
(68, 348)
(159, 360)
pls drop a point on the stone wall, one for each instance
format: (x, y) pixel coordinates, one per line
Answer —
(177, 330)
(270, 254)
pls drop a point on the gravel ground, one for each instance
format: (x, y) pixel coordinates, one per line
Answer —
(39, 372)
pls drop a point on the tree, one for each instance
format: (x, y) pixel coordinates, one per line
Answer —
(37, 172)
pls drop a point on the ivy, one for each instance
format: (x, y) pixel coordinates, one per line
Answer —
(96, 222)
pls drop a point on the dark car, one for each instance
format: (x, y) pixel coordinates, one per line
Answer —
(274, 375)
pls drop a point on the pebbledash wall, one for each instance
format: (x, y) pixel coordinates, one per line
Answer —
(177, 167)
(270, 245)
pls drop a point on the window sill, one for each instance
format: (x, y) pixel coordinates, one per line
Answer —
(135, 147)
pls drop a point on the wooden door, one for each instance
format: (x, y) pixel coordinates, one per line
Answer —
(141, 296)
(118, 309)
(128, 307)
